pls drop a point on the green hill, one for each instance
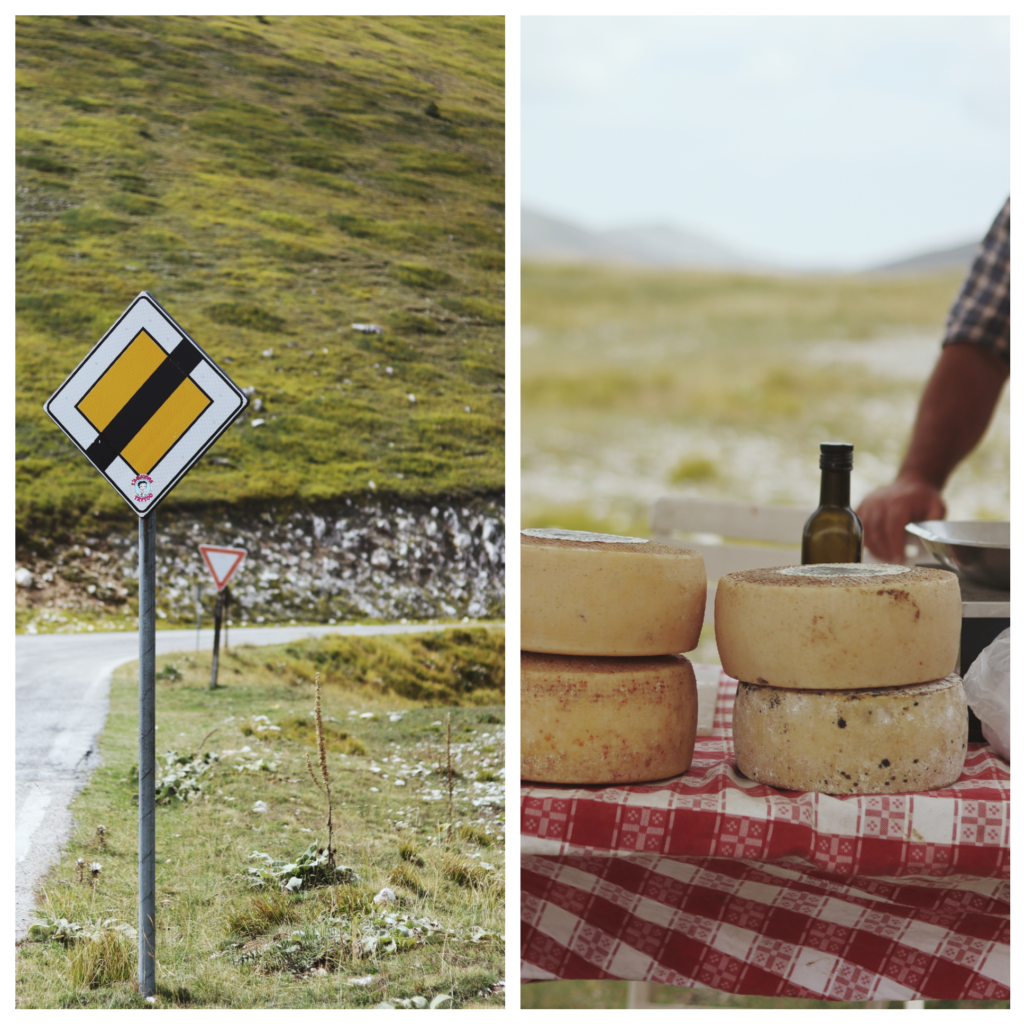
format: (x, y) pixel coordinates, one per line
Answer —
(272, 181)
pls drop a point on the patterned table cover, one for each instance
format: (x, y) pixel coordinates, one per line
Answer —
(710, 880)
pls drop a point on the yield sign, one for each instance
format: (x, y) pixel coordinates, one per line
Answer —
(222, 562)
(145, 404)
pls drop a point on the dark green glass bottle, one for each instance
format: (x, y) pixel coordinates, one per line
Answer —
(833, 533)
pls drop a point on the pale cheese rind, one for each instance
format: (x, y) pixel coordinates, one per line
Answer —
(902, 739)
(606, 720)
(609, 596)
(851, 627)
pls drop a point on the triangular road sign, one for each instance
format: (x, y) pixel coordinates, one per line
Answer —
(222, 562)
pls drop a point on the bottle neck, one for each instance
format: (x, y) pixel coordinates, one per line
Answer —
(835, 487)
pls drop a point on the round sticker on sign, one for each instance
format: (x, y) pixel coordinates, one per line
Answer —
(143, 486)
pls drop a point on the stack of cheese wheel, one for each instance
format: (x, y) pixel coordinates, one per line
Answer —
(606, 695)
(846, 676)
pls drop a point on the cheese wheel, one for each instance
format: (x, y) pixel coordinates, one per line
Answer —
(843, 626)
(596, 594)
(606, 720)
(902, 739)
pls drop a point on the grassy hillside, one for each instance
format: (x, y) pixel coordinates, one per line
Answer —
(271, 181)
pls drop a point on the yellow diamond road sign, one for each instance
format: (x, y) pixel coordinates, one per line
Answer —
(145, 404)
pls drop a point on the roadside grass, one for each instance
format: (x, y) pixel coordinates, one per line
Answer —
(593, 995)
(272, 181)
(223, 943)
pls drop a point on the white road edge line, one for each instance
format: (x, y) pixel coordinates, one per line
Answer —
(32, 813)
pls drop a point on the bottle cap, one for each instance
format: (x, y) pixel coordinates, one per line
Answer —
(836, 455)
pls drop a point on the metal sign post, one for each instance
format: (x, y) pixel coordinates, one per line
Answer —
(218, 614)
(147, 755)
(144, 406)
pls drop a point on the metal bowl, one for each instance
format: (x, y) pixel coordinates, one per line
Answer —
(976, 551)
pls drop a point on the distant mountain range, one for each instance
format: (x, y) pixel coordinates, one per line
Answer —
(551, 240)
(960, 257)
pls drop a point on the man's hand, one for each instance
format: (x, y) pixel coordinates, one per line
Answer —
(886, 512)
(955, 410)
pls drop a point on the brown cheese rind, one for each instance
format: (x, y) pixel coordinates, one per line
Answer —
(610, 599)
(892, 627)
(606, 720)
(899, 740)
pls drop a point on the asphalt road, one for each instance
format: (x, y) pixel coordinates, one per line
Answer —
(63, 686)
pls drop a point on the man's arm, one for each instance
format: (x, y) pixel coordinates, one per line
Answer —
(955, 411)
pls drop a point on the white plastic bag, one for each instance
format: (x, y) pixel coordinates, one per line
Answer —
(987, 684)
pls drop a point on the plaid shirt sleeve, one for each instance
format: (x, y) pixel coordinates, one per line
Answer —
(981, 313)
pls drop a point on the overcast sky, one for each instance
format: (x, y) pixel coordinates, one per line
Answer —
(813, 141)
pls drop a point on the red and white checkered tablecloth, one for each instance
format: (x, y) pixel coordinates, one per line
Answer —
(709, 880)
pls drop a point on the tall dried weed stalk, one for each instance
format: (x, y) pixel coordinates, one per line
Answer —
(444, 769)
(325, 787)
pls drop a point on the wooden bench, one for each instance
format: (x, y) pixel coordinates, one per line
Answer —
(730, 535)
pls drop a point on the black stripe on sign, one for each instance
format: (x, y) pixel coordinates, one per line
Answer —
(139, 409)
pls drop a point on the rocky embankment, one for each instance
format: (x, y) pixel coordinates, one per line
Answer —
(345, 561)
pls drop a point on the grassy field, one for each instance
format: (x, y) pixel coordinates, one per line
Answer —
(557, 995)
(637, 383)
(223, 943)
(271, 181)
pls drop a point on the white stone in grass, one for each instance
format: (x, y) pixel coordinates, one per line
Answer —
(366, 714)
(260, 807)
(385, 896)
(361, 981)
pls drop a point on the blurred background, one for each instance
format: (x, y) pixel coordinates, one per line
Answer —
(741, 236)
